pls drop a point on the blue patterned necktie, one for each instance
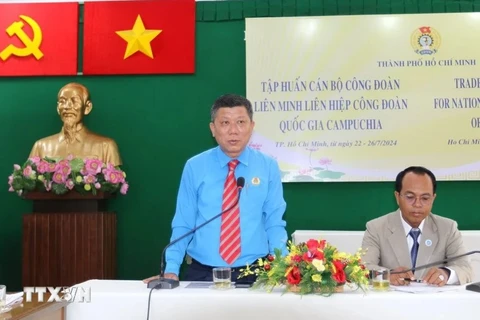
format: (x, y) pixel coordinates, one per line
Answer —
(414, 233)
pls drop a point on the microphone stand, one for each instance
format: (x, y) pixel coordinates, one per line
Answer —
(471, 287)
(436, 263)
(167, 283)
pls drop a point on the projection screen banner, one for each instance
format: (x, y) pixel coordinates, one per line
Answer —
(360, 98)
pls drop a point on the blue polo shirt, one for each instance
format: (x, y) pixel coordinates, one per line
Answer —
(200, 198)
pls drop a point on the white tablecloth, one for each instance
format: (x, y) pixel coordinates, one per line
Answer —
(115, 299)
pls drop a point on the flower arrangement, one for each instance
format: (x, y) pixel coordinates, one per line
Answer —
(62, 175)
(314, 266)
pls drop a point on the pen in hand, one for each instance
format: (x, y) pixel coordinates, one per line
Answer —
(411, 280)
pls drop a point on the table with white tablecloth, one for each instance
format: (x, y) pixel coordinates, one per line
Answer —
(121, 299)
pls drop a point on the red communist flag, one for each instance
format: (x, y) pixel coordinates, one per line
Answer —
(38, 39)
(139, 37)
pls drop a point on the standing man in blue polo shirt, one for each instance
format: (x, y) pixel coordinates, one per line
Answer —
(253, 228)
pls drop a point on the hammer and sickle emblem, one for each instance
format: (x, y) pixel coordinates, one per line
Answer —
(32, 46)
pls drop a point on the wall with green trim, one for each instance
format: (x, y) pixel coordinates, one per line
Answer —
(160, 121)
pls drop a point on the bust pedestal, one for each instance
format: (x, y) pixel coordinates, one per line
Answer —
(68, 239)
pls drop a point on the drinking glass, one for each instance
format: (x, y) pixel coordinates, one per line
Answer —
(3, 298)
(222, 278)
(380, 279)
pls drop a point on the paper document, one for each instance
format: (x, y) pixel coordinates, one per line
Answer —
(415, 287)
(199, 285)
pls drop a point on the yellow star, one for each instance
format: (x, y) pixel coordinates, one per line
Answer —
(138, 39)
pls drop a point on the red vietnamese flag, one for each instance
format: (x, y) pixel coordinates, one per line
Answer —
(139, 37)
(38, 39)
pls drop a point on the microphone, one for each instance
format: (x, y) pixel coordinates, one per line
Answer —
(436, 263)
(165, 283)
(472, 287)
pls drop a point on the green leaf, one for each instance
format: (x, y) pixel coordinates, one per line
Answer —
(17, 182)
(278, 254)
(80, 189)
(76, 164)
(59, 188)
(29, 184)
(40, 186)
(27, 163)
(48, 176)
(51, 160)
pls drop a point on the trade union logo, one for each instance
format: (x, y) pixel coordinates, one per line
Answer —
(425, 40)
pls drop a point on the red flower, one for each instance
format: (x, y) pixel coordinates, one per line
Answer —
(338, 264)
(310, 255)
(322, 244)
(362, 266)
(297, 258)
(314, 250)
(339, 276)
(270, 258)
(294, 276)
(312, 245)
(266, 266)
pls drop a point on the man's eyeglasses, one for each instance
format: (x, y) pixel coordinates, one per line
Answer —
(423, 200)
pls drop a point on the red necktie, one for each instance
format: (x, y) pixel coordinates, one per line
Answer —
(230, 229)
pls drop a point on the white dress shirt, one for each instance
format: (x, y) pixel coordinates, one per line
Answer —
(453, 279)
